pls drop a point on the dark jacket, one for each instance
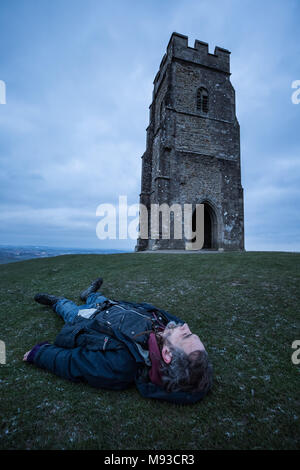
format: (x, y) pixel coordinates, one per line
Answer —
(106, 350)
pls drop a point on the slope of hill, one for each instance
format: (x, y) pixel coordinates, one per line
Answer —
(244, 306)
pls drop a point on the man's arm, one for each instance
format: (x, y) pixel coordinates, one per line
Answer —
(109, 369)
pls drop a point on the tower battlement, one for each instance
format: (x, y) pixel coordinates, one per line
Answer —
(178, 48)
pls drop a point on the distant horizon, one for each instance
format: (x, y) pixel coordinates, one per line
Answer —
(15, 253)
(60, 247)
(130, 251)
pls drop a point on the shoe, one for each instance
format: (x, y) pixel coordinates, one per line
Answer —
(91, 289)
(46, 299)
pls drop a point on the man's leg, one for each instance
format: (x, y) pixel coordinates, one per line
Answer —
(64, 307)
(67, 309)
(92, 289)
(94, 300)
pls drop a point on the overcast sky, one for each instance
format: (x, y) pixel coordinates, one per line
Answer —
(79, 77)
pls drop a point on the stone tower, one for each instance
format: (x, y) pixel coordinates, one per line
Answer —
(193, 145)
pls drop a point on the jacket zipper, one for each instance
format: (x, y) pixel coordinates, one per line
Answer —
(105, 342)
(132, 310)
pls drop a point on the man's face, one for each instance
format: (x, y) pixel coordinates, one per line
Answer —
(180, 336)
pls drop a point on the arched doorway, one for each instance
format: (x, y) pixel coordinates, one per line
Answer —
(210, 227)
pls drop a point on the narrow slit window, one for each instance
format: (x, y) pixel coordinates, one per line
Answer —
(202, 100)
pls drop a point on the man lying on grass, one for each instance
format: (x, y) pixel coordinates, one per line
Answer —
(112, 344)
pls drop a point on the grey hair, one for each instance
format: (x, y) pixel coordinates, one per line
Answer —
(187, 372)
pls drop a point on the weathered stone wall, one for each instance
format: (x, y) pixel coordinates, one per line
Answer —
(193, 156)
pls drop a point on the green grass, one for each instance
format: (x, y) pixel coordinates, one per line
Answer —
(244, 306)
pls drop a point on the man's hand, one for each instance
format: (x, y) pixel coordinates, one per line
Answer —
(33, 352)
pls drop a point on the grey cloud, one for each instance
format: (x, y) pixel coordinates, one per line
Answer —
(73, 129)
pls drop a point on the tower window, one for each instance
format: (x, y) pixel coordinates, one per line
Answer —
(202, 100)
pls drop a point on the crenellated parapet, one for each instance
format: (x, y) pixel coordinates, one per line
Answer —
(178, 48)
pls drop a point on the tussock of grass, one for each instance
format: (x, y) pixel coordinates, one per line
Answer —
(245, 306)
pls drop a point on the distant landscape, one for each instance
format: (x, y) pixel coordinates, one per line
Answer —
(11, 253)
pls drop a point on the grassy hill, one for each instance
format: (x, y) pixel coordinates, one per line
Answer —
(244, 306)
